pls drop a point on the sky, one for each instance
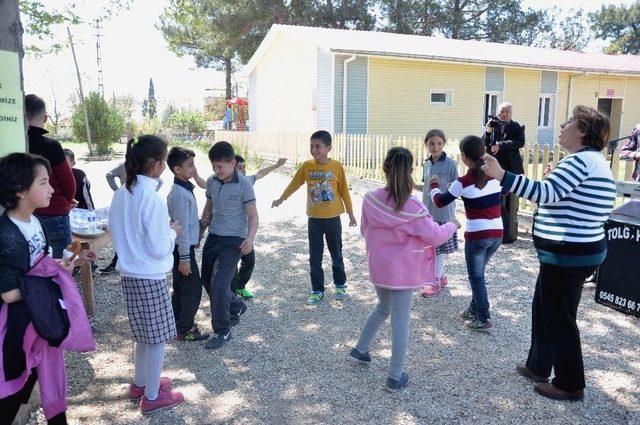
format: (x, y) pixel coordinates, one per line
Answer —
(134, 50)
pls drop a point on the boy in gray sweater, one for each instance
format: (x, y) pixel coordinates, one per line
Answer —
(183, 208)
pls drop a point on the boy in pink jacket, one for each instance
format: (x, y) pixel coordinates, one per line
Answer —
(400, 237)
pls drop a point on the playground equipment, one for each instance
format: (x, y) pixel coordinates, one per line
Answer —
(236, 113)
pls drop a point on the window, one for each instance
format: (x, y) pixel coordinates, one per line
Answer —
(544, 111)
(441, 98)
(491, 102)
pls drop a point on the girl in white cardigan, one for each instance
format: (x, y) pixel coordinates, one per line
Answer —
(144, 241)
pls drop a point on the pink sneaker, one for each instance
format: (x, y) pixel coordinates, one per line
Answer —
(443, 281)
(136, 393)
(165, 400)
(431, 290)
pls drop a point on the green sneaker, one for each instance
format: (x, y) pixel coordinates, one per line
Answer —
(315, 298)
(244, 293)
(341, 293)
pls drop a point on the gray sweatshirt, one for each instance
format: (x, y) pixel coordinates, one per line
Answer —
(447, 171)
(183, 208)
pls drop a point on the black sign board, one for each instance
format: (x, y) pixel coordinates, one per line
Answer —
(618, 284)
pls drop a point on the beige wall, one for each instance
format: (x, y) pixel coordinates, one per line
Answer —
(522, 89)
(282, 87)
(399, 98)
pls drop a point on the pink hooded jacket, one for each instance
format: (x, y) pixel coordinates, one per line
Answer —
(49, 361)
(400, 244)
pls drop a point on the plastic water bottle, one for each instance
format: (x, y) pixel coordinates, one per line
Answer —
(91, 220)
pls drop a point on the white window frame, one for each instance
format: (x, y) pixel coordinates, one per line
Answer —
(541, 111)
(499, 96)
(448, 96)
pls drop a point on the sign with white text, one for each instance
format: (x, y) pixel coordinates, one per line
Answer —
(12, 137)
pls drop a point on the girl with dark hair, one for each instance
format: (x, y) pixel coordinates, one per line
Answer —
(144, 240)
(400, 236)
(483, 235)
(32, 288)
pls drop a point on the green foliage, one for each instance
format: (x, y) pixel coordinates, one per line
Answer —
(222, 33)
(501, 21)
(124, 105)
(151, 102)
(620, 25)
(40, 21)
(105, 123)
(149, 126)
(188, 122)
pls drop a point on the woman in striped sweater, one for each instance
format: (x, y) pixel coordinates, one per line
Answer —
(574, 201)
(483, 234)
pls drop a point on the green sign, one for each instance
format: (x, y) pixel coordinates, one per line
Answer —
(11, 105)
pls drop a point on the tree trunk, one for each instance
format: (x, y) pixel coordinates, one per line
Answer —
(228, 69)
(11, 39)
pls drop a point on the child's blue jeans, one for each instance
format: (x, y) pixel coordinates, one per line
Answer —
(477, 254)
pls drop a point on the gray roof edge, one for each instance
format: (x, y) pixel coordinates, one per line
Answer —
(485, 62)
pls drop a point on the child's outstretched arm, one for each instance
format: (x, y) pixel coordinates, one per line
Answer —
(297, 181)
(443, 199)
(432, 233)
(265, 171)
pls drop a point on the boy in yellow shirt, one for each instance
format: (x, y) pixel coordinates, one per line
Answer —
(327, 198)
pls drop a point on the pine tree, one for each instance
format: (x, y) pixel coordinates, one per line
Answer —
(152, 106)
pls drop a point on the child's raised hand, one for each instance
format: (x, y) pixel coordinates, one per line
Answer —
(352, 220)
(176, 227)
(281, 162)
(276, 203)
(184, 267)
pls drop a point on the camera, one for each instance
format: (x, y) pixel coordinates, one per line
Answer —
(493, 121)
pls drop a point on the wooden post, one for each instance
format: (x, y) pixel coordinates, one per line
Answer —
(82, 104)
(87, 283)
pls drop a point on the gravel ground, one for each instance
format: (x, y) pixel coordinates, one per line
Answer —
(287, 363)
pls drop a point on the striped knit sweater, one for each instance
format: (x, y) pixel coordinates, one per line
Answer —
(482, 206)
(574, 201)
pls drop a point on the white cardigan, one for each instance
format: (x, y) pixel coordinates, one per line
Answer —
(139, 226)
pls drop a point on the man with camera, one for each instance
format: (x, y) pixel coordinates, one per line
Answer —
(503, 138)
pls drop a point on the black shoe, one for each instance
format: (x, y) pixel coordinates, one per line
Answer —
(235, 318)
(217, 341)
(394, 385)
(361, 357)
(192, 334)
(110, 269)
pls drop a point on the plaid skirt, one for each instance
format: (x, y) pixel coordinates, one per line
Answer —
(449, 246)
(149, 309)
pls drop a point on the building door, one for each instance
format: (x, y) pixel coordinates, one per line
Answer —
(491, 102)
(613, 109)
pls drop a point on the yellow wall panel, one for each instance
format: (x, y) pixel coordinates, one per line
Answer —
(399, 98)
(631, 106)
(522, 89)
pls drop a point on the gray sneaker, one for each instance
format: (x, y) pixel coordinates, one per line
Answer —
(341, 293)
(478, 325)
(394, 385)
(315, 298)
(217, 341)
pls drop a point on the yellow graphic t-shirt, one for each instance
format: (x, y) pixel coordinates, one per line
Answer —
(327, 190)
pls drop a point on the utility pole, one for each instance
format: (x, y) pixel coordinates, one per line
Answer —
(98, 28)
(81, 93)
